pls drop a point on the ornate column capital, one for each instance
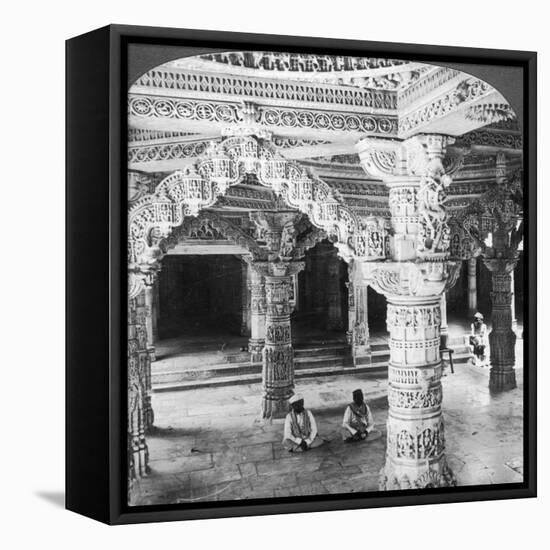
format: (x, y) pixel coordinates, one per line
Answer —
(501, 265)
(409, 280)
(278, 230)
(278, 268)
(416, 156)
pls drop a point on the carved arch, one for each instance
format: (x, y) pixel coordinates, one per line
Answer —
(212, 221)
(224, 164)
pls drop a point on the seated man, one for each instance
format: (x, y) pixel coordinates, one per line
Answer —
(300, 428)
(358, 421)
(479, 341)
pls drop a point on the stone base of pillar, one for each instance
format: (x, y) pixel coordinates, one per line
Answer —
(424, 475)
(273, 407)
(152, 354)
(139, 458)
(255, 347)
(502, 380)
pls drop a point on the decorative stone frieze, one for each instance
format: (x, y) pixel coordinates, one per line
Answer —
(274, 119)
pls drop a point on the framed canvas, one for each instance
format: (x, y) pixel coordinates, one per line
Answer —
(301, 274)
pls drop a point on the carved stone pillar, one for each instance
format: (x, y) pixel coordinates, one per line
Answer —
(513, 303)
(138, 400)
(351, 305)
(444, 326)
(334, 296)
(149, 307)
(156, 310)
(413, 282)
(415, 442)
(502, 338)
(245, 300)
(278, 354)
(257, 315)
(361, 350)
(472, 286)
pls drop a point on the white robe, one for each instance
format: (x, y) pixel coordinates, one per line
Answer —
(300, 418)
(368, 421)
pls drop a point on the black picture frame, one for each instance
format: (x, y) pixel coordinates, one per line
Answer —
(97, 76)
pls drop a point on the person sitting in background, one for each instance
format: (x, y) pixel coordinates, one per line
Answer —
(300, 432)
(479, 340)
(358, 421)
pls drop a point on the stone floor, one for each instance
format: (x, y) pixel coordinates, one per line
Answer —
(209, 445)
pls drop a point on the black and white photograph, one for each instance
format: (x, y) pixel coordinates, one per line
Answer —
(275, 274)
(326, 276)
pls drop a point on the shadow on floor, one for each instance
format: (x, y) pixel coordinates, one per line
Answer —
(57, 498)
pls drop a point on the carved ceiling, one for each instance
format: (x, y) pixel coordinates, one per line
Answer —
(314, 110)
(361, 72)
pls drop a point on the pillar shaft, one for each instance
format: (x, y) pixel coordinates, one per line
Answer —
(502, 338)
(416, 442)
(149, 300)
(334, 296)
(444, 326)
(257, 316)
(156, 310)
(278, 355)
(472, 286)
(351, 309)
(361, 349)
(139, 405)
(245, 300)
(513, 303)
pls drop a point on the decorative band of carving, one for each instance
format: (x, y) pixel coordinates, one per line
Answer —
(415, 399)
(413, 317)
(466, 92)
(425, 344)
(165, 151)
(414, 376)
(144, 106)
(250, 88)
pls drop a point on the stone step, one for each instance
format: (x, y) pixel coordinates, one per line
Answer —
(253, 378)
(327, 349)
(251, 373)
(244, 368)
